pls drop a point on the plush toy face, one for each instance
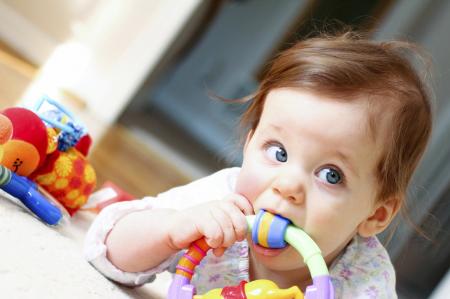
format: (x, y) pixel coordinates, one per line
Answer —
(25, 147)
(20, 156)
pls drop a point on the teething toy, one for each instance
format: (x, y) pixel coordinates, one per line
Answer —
(271, 231)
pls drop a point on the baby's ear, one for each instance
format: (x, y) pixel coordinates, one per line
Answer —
(381, 217)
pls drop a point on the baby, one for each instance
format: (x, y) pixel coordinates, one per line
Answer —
(335, 131)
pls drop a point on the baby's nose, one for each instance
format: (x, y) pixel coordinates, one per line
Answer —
(290, 188)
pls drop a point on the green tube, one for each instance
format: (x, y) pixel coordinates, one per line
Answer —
(308, 249)
(306, 246)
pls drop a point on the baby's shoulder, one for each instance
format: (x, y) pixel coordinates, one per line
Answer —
(213, 186)
(364, 270)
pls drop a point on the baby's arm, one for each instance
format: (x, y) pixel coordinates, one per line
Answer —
(139, 241)
(144, 239)
(213, 187)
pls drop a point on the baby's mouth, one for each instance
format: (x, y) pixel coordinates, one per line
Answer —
(267, 251)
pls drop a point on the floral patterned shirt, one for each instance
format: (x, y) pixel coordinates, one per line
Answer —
(362, 270)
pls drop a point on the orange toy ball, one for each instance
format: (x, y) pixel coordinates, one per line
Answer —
(5, 129)
(20, 156)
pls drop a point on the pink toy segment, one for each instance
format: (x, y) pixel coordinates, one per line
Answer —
(192, 258)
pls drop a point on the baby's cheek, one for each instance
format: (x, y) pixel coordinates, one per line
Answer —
(249, 184)
(325, 225)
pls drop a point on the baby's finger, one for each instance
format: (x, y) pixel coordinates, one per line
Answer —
(226, 224)
(242, 203)
(219, 251)
(212, 231)
(238, 220)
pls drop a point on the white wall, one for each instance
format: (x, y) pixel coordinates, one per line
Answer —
(104, 48)
(443, 289)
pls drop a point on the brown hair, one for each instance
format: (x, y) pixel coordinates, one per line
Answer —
(348, 67)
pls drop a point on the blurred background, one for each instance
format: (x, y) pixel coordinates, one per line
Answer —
(139, 74)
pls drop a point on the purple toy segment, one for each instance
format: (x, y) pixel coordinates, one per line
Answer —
(181, 288)
(277, 231)
(322, 288)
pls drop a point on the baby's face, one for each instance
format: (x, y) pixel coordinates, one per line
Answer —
(312, 160)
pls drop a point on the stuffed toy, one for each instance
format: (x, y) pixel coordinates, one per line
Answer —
(22, 189)
(51, 150)
(5, 132)
(24, 150)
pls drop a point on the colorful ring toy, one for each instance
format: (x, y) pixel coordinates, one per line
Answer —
(271, 231)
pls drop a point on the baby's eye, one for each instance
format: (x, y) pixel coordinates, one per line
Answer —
(276, 152)
(330, 175)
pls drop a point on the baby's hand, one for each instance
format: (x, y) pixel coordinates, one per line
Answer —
(221, 222)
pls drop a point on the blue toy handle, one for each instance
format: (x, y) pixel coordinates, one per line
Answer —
(26, 191)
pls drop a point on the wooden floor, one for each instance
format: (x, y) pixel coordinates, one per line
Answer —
(15, 75)
(129, 163)
(118, 157)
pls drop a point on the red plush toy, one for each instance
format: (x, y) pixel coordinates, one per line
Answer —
(32, 149)
(25, 149)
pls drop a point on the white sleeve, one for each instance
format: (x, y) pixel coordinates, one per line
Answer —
(213, 187)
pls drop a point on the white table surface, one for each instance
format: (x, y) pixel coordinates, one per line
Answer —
(39, 261)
